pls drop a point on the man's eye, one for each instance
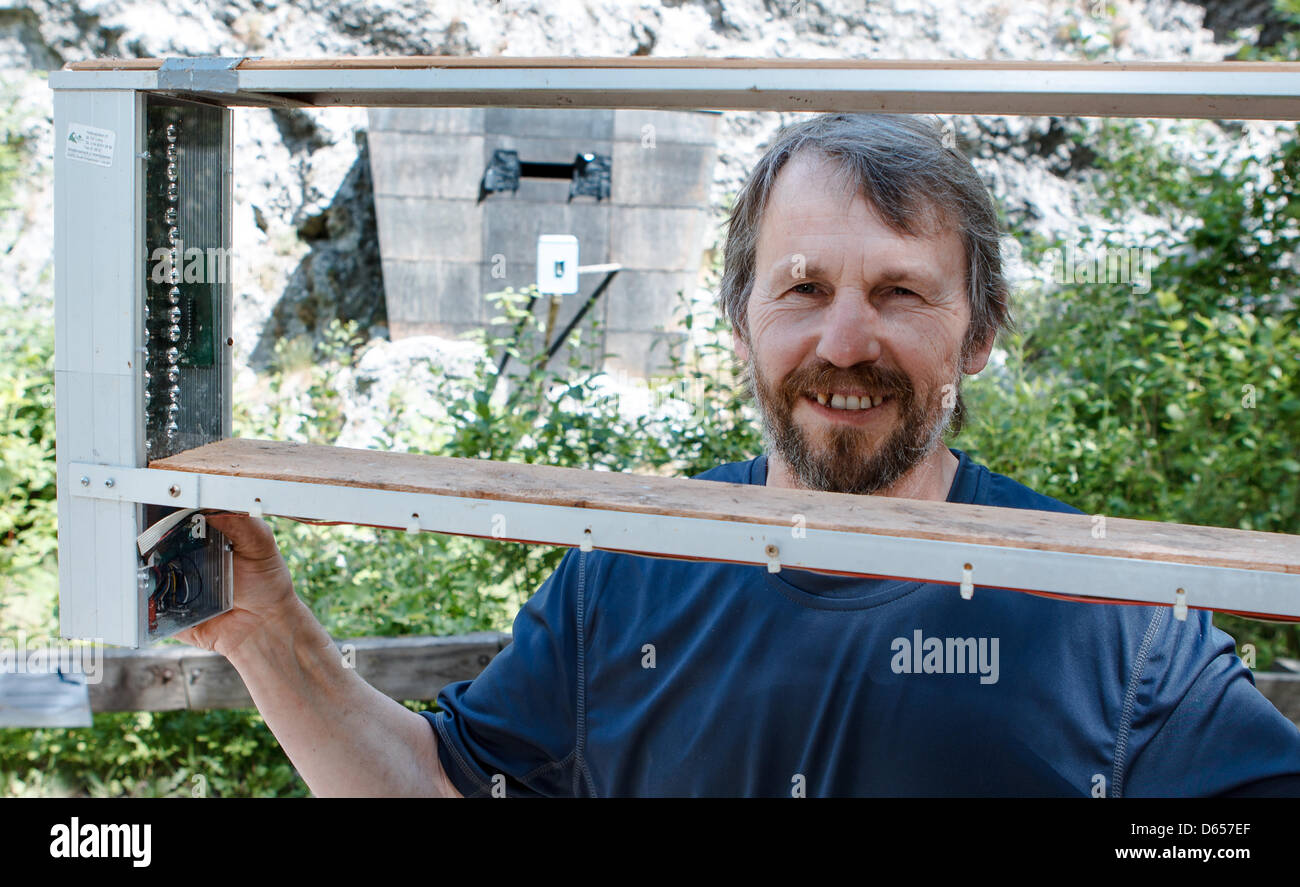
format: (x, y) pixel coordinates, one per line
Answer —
(900, 291)
(797, 288)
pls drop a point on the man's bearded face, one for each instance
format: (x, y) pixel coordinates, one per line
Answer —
(843, 304)
(852, 456)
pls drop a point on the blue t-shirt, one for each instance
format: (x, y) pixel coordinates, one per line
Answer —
(635, 675)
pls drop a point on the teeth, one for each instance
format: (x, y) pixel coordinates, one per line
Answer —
(848, 402)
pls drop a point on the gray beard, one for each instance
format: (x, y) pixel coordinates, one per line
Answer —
(847, 464)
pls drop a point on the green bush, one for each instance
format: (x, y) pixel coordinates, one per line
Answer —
(1181, 404)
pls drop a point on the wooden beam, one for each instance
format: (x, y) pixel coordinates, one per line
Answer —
(371, 63)
(1283, 690)
(1213, 90)
(681, 497)
(404, 668)
(173, 678)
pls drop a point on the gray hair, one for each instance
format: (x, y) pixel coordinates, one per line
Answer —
(902, 167)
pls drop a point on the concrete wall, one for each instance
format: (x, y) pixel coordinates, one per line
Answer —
(443, 248)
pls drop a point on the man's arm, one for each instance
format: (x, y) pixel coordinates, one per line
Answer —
(343, 736)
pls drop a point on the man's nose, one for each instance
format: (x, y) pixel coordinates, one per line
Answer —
(850, 332)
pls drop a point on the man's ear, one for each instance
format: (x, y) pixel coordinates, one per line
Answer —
(979, 356)
(739, 346)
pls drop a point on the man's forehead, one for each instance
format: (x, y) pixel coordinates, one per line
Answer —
(789, 247)
(812, 185)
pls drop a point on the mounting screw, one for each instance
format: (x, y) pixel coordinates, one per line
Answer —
(109, 482)
(174, 491)
(85, 481)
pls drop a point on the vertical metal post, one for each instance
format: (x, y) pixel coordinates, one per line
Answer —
(98, 243)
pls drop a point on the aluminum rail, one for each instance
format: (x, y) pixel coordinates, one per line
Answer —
(1226, 90)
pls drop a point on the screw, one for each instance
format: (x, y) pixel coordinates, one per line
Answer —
(109, 482)
(174, 491)
(85, 481)
(771, 550)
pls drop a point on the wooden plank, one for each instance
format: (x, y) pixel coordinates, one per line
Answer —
(142, 680)
(1283, 690)
(362, 63)
(681, 497)
(414, 668)
(1214, 90)
(179, 677)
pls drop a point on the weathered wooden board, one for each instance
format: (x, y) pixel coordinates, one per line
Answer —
(362, 63)
(173, 678)
(683, 497)
(406, 668)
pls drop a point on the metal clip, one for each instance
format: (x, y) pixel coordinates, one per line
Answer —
(585, 545)
(967, 586)
(255, 510)
(1180, 605)
(773, 564)
(413, 528)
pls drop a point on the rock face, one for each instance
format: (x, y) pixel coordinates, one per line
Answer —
(340, 275)
(305, 236)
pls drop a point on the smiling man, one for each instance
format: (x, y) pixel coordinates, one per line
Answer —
(862, 281)
(857, 328)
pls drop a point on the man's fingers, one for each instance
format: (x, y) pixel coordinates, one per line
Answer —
(252, 537)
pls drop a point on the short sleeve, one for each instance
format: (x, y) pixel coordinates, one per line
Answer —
(515, 726)
(1212, 731)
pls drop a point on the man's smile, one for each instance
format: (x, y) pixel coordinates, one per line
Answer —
(849, 410)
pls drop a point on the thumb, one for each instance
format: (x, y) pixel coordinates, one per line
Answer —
(251, 537)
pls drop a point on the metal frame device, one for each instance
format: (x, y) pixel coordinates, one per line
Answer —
(142, 174)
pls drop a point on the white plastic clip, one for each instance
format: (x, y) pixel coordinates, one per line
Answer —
(413, 528)
(585, 545)
(773, 562)
(1180, 605)
(967, 586)
(198, 527)
(255, 510)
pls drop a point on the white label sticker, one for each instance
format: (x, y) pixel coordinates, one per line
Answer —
(90, 144)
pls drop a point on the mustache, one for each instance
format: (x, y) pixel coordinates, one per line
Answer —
(876, 379)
